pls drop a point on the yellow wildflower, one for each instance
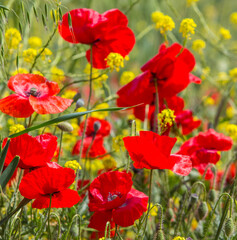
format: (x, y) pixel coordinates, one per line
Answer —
(198, 45)
(233, 18)
(57, 74)
(190, 2)
(118, 143)
(223, 77)
(115, 61)
(100, 115)
(98, 82)
(13, 38)
(209, 101)
(70, 94)
(231, 130)
(205, 73)
(73, 165)
(45, 54)
(19, 70)
(179, 238)
(29, 55)
(126, 77)
(225, 33)
(167, 24)
(230, 112)
(16, 128)
(154, 210)
(94, 165)
(109, 162)
(187, 27)
(233, 74)
(157, 16)
(95, 72)
(166, 119)
(35, 42)
(38, 73)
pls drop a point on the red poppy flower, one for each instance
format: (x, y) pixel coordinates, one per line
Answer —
(104, 127)
(203, 149)
(107, 32)
(170, 68)
(33, 151)
(95, 144)
(51, 180)
(152, 151)
(112, 199)
(33, 93)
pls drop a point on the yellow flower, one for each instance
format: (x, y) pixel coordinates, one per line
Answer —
(126, 77)
(13, 38)
(45, 54)
(118, 143)
(230, 112)
(233, 18)
(166, 119)
(94, 165)
(57, 74)
(198, 45)
(223, 77)
(115, 61)
(35, 42)
(209, 101)
(19, 70)
(190, 2)
(29, 55)
(231, 130)
(205, 73)
(98, 82)
(233, 74)
(187, 27)
(109, 162)
(95, 72)
(100, 115)
(156, 16)
(16, 128)
(38, 73)
(154, 210)
(225, 33)
(73, 165)
(179, 238)
(69, 94)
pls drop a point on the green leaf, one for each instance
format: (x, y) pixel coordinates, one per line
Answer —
(5, 8)
(7, 174)
(3, 155)
(66, 118)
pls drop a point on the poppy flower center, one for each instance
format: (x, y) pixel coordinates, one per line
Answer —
(112, 196)
(34, 92)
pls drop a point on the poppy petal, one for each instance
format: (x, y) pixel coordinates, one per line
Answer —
(50, 104)
(133, 208)
(182, 164)
(63, 199)
(16, 106)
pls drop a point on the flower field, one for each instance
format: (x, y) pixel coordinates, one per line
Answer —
(118, 119)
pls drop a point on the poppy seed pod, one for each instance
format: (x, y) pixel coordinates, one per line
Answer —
(229, 227)
(202, 210)
(80, 103)
(65, 127)
(96, 126)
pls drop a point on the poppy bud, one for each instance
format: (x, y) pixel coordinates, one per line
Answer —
(193, 200)
(80, 102)
(169, 214)
(202, 210)
(160, 235)
(65, 127)
(212, 195)
(229, 227)
(96, 126)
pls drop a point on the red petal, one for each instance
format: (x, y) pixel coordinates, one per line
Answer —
(132, 209)
(29, 150)
(46, 180)
(109, 190)
(183, 164)
(194, 79)
(16, 106)
(49, 145)
(64, 199)
(119, 39)
(87, 26)
(23, 83)
(50, 104)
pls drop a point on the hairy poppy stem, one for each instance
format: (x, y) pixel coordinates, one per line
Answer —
(60, 146)
(50, 237)
(149, 204)
(87, 108)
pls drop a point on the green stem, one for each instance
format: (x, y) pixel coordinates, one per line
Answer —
(50, 237)
(149, 204)
(60, 146)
